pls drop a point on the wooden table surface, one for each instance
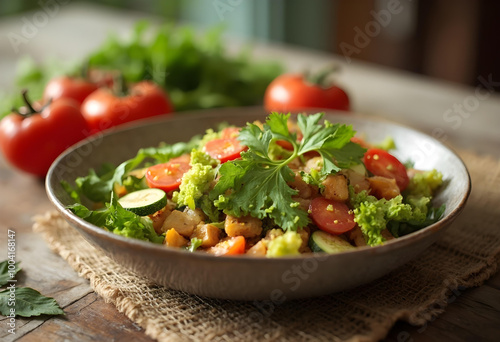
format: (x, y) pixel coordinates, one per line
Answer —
(462, 116)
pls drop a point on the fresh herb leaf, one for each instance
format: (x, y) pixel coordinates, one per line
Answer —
(5, 273)
(28, 303)
(257, 185)
(332, 141)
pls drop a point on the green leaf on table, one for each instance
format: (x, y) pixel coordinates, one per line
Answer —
(28, 302)
(6, 273)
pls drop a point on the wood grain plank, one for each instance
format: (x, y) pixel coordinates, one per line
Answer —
(472, 315)
(89, 319)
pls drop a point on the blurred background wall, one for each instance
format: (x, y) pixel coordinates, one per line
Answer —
(454, 40)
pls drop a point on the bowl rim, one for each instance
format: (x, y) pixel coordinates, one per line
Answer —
(142, 246)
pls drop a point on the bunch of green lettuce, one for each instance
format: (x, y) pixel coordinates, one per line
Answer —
(401, 215)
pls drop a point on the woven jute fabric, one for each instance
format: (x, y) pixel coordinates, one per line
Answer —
(466, 255)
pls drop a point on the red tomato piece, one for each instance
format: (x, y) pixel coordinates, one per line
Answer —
(229, 246)
(32, 141)
(291, 92)
(224, 149)
(230, 132)
(293, 128)
(168, 176)
(331, 216)
(382, 163)
(285, 144)
(77, 89)
(103, 109)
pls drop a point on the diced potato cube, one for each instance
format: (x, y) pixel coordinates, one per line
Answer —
(174, 239)
(336, 188)
(305, 190)
(208, 233)
(159, 217)
(357, 180)
(182, 222)
(258, 250)
(196, 215)
(246, 226)
(315, 163)
(382, 187)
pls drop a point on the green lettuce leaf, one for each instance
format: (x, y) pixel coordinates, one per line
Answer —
(118, 220)
(97, 186)
(28, 303)
(6, 274)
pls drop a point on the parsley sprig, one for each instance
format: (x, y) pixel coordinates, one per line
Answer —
(257, 185)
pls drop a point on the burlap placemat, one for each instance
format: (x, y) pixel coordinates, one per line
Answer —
(466, 256)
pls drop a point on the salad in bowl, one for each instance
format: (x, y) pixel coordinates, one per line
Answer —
(275, 188)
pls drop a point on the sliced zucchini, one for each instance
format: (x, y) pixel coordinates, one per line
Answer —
(359, 169)
(321, 241)
(144, 202)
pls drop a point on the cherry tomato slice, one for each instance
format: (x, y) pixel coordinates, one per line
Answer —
(230, 246)
(382, 163)
(331, 216)
(224, 149)
(230, 132)
(168, 176)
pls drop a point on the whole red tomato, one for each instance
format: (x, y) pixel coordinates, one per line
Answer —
(103, 109)
(296, 92)
(32, 141)
(68, 87)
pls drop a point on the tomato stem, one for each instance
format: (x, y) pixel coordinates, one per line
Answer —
(119, 85)
(84, 72)
(30, 110)
(27, 102)
(320, 78)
